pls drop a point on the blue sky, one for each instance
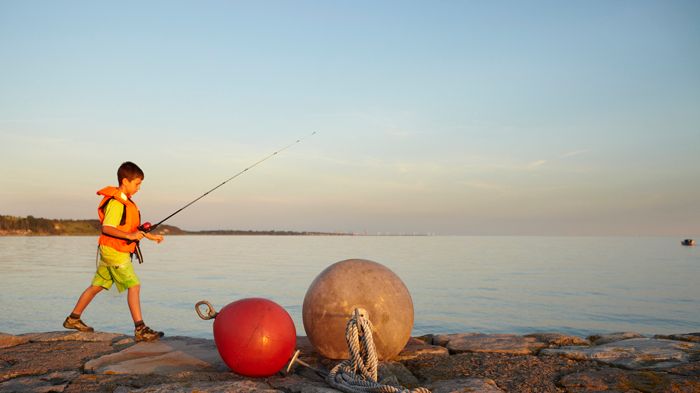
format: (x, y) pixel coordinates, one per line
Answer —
(449, 117)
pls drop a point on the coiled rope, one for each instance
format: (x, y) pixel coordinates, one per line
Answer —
(358, 374)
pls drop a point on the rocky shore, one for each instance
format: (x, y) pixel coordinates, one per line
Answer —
(491, 363)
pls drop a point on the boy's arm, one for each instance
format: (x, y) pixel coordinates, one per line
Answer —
(154, 237)
(112, 231)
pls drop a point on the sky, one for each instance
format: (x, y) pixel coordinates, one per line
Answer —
(431, 117)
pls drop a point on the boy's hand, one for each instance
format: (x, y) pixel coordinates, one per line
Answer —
(155, 238)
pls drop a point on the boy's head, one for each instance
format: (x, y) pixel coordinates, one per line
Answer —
(130, 176)
(129, 171)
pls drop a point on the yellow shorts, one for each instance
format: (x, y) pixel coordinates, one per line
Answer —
(115, 268)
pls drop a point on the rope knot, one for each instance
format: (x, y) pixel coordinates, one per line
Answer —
(358, 374)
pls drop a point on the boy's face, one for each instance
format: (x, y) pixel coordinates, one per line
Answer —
(131, 187)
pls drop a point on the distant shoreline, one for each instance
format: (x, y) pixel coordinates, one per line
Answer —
(37, 226)
(33, 226)
(188, 233)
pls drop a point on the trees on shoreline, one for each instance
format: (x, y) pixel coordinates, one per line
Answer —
(30, 225)
(33, 226)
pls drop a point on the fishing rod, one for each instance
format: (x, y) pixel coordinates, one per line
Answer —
(148, 227)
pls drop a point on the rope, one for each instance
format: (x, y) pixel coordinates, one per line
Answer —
(358, 374)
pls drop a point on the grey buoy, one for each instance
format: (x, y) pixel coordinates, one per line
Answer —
(351, 284)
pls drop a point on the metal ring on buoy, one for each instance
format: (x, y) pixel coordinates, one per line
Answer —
(211, 312)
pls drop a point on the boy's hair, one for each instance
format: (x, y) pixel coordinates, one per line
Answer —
(129, 171)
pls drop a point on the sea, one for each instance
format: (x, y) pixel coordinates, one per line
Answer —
(490, 284)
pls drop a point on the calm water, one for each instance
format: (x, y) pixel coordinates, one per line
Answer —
(578, 285)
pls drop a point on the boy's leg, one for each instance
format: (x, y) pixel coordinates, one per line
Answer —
(133, 298)
(141, 331)
(86, 298)
(73, 321)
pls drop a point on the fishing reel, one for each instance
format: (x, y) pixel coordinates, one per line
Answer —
(145, 227)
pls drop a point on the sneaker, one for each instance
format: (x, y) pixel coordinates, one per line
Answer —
(77, 324)
(144, 333)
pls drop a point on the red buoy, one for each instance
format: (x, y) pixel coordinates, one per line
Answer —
(255, 337)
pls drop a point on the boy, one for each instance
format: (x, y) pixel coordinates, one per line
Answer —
(120, 219)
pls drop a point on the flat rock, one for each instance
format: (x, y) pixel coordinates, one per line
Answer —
(393, 373)
(52, 382)
(38, 358)
(559, 340)
(166, 356)
(416, 348)
(242, 386)
(443, 339)
(614, 380)
(689, 369)
(72, 335)
(636, 353)
(512, 373)
(690, 337)
(463, 385)
(494, 343)
(107, 383)
(601, 339)
(8, 340)
(297, 384)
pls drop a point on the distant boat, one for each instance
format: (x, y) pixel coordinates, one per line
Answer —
(688, 242)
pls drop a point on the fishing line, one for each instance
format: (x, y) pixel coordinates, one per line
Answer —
(147, 227)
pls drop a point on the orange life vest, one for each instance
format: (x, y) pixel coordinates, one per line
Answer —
(131, 219)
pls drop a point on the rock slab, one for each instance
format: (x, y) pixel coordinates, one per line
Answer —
(51, 382)
(464, 385)
(559, 340)
(416, 348)
(613, 380)
(243, 386)
(164, 357)
(601, 339)
(635, 353)
(8, 340)
(510, 344)
(72, 335)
